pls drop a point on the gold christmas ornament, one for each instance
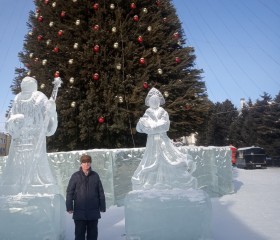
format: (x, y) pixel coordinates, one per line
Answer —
(36, 15)
(74, 0)
(145, 10)
(48, 42)
(116, 45)
(73, 104)
(154, 49)
(71, 80)
(159, 71)
(166, 93)
(54, 4)
(118, 66)
(42, 86)
(70, 61)
(112, 6)
(78, 22)
(51, 24)
(76, 45)
(120, 99)
(44, 61)
(31, 55)
(30, 33)
(114, 29)
(149, 28)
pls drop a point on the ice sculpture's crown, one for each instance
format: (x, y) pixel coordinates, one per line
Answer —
(154, 92)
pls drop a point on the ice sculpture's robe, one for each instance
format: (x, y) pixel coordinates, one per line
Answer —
(27, 169)
(162, 165)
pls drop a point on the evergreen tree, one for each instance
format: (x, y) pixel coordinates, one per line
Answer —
(109, 54)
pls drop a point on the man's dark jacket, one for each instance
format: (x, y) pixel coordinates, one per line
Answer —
(85, 196)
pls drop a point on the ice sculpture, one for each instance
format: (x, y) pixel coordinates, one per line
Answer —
(163, 165)
(164, 190)
(32, 117)
(29, 195)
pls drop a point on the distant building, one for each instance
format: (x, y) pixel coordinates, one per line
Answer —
(5, 141)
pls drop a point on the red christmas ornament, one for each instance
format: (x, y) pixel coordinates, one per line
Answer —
(101, 119)
(40, 37)
(56, 74)
(176, 35)
(38, 10)
(56, 49)
(142, 61)
(140, 39)
(96, 48)
(132, 5)
(135, 18)
(62, 14)
(95, 6)
(158, 2)
(59, 33)
(46, 1)
(40, 18)
(95, 27)
(145, 85)
(95, 76)
(177, 59)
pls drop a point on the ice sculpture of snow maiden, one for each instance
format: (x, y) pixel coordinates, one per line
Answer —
(163, 165)
(27, 183)
(165, 203)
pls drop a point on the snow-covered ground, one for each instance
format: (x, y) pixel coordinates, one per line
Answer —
(251, 213)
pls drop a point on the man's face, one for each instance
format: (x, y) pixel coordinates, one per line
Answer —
(85, 166)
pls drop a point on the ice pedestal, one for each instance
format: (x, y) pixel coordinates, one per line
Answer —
(30, 217)
(168, 214)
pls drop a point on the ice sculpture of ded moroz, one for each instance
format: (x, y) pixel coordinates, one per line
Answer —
(163, 166)
(32, 117)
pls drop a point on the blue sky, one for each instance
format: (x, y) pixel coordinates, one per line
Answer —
(237, 44)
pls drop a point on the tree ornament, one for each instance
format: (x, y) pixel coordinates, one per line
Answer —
(40, 18)
(62, 14)
(48, 42)
(179, 43)
(96, 27)
(95, 6)
(159, 71)
(28, 73)
(158, 2)
(140, 39)
(164, 19)
(120, 99)
(70, 61)
(51, 24)
(95, 76)
(116, 45)
(56, 49)
(177, 59)
(71, 80)
(73, 104)
(54, 4)
(40, 37)
(132, 5)
(38, 10)
(114, 29)
(142, 61)
(59, 33)
(36, 15)
(56, 74)
(78, 22)
(30, 33)
(166, 93)
(145, 10)
(76, 46)
(154, 49)
(101, 119)
(149, 28)
(46, 1)
(44, 62)
(145, 85)
(118, 66)
(31, 55)
(36, 59)
(96, 48)
(176, 35)
(135, 18)
(42, 86)
(74, 0)
(112, 6)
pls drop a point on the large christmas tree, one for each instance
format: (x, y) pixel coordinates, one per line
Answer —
(109, 54)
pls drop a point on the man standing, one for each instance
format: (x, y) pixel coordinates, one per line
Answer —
(85, 198)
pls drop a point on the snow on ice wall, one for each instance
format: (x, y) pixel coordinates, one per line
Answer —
(116, 167)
